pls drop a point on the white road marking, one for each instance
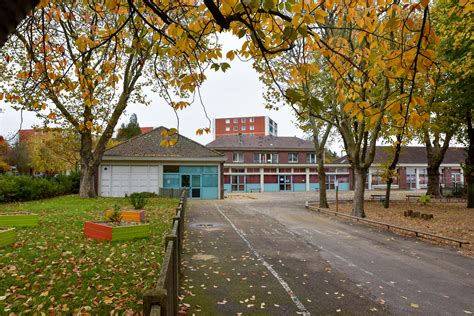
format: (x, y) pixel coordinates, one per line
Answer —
(282, 282)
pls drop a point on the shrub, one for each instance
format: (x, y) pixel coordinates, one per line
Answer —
(116, 216)
(149, 194)
(425, 199)
(23, 188)
(138, 200)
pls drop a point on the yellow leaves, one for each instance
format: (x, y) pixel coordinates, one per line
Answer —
(419, 100)
(230, 55)
(414, 305)
(424, 3)
(169, 142)
(319, 15)
(180, 105)
(111, 4)
(374, 119)
(52, 116)
(201, 131)
(348, 107)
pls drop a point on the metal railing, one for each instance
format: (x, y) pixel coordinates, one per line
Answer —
(163, 298)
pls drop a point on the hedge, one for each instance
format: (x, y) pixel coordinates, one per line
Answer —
(22, 188)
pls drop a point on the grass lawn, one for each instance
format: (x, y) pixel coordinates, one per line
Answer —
(54, 268)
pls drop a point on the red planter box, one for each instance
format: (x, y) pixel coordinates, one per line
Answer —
(106, 231)
(97, 231)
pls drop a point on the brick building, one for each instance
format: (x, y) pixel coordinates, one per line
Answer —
(250, 125)
(271, 163)
(412, 168)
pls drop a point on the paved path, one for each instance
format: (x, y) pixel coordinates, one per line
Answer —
(270, 256)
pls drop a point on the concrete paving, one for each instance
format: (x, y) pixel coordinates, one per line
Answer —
(265, 254)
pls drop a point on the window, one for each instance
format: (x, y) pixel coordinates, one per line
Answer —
(236, 128)
(265, 158)
(227, 121)
(252, 134)
(236, 120)
(310, 158)
(243, 120)
(209, 180)
(238, 157)
(227, 129)
(254, 170)
(244, 128)
(240, 170)
(252, 127)
(292, 157)
(170, 169)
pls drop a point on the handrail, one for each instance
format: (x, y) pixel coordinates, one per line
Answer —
(163, 298)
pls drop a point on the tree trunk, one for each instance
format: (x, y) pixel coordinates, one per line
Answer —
(386, 202)
(433, 181)
(88, 167)
(469, 165)
(391, 169)
(360, 176)
(323, 201)
(87, 184)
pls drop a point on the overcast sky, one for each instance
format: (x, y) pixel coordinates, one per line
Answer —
(237, 92)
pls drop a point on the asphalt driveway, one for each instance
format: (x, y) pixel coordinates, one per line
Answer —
(265, 254)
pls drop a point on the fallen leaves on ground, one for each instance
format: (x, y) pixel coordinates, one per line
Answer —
(450, 219)
(53, 269)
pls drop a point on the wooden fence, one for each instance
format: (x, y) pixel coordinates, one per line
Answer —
(163, 298)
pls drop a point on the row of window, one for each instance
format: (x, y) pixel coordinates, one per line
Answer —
(242, 120)
(272, 157)
(243, 128)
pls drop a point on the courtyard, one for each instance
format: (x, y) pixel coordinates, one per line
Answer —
(265, 254)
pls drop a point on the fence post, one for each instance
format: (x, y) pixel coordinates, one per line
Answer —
(155, 296)
(174, 273)
(179, 241)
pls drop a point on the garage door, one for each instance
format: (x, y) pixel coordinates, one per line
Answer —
(119, 180)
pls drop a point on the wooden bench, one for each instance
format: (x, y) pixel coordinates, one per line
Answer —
(377, 197)
(412, 196)
(252, 190)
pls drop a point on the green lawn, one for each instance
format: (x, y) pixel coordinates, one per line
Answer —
(53, 267)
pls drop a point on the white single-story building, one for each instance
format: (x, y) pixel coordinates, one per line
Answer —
(141, 164)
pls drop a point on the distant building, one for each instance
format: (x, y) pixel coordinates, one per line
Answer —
(249, 126)
(37, 133)
(144, 130)
(271, 163)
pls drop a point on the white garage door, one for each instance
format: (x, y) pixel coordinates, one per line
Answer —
(118, 180)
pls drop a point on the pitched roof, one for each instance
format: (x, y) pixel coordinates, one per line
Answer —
(148, 145)
(268, 142)
(412, 155)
